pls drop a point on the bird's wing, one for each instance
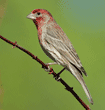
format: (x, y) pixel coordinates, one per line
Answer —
(58, 39)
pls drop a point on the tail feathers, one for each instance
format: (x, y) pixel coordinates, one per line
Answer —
(79, 77)
(87, 92)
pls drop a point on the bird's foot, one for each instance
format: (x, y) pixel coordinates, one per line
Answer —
(48, 70)
(57, 77)
(48, 65)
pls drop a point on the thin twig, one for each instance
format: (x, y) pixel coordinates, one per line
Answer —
(68, 88)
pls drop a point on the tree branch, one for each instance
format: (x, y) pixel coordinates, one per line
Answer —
(68, 88)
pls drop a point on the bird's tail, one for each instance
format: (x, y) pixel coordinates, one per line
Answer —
(79, 77)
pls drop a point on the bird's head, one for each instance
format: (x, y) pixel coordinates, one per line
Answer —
(40, 16)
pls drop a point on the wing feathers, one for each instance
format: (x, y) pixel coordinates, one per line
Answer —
(57, 38)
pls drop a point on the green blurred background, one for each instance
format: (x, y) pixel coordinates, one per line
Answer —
(24, 85)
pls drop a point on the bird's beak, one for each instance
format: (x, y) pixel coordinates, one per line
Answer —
(31, 16)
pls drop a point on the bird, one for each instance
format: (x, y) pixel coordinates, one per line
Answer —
(57, 46)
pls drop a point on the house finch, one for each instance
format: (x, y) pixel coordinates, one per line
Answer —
(57, 46)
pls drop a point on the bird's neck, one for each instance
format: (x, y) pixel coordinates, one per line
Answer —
(41, 31)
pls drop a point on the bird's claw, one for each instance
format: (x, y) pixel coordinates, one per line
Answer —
(48, 70)
(57, 77)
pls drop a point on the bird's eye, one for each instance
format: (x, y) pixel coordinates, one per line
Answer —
(38, 13)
